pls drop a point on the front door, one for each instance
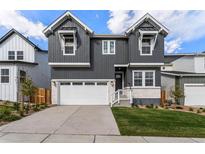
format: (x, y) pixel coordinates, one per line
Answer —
(118, 81)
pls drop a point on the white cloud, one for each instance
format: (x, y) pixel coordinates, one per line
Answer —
(185, 26)
(14, 19)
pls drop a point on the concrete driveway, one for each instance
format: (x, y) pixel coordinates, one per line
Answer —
(65, 120)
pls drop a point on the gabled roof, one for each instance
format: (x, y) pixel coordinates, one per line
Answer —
(13, 31)
(60, 20)
(147, 16)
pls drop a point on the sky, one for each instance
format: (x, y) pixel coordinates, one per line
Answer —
(186, 28)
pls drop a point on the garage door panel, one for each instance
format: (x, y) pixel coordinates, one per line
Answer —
(194, 94)
(83, 95)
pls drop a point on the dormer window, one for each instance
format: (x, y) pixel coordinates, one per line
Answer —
(147, 41)
(68, 41)
(146, 46)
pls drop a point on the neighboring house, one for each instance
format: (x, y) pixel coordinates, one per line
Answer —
(19, 58)
(186, 71)
(88, 68)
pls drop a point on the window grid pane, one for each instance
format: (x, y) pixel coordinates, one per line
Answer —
(19, 55)
(137, 78)
(112, 46)
(105, 47)
(4, 75)
(146, 46)
(11, 55)
(149, 78)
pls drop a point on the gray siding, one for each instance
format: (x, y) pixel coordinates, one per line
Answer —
(135, 57)
(157, 75)
(102, 66)
(83, 45)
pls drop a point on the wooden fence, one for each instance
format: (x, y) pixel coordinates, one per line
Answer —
(42, 96)
(163, 97)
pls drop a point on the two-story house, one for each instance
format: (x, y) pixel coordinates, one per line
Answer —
(89, 68)
(186, 71)
(20, 58)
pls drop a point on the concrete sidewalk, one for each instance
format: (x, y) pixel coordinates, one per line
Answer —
(62, 138)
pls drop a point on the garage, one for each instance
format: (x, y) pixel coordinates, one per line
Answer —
(84, 93)
(194, 94)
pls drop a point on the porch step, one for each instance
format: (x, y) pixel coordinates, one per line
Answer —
(123, 103)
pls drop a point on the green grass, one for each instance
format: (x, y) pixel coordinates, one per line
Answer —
(156, 122)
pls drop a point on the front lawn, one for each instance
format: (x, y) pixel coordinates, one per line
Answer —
(158, 122)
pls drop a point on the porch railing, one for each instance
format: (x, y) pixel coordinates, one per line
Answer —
(121, 94)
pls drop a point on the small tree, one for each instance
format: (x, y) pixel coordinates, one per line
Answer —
(177, 94)
(28, 90)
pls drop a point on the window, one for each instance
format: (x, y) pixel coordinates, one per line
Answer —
(68, 41)
(69, 44)
(102, 83)
(11, 55)
(137, 78)
(22, 76)
(4, 75)
(19, 55)
(147, 42)
(149, 78)
(143, 78)
(89, 83)
(65, 83)
(108, 47)
(77, 83)
(146, 46)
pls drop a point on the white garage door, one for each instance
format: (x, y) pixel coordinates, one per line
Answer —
(84, 93)
(194, 94)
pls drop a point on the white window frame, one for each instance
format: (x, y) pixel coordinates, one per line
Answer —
(12, 55)
(108, 47)
(143, 78)
(152, 41)
(20, 55)
(147, 54)
(62, 41)
(4, 76)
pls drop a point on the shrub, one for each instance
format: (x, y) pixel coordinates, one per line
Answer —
(133, 105)
(10, 117)
(16, 106)
(179, 107)
(150, 106)
(191, 109)
(36, 107)
(203, 110)
(5, 111)
(156, 107)
(198, 111)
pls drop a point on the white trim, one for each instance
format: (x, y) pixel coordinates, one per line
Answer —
(146, 64)
(143, 78)
(194, 84)
(121, 65)
(147, 16)
(64, 15)
(62, 41)
(157, 87)
(174, 74)
(81, 80)
(123, 79)
(70, 64)
(108, 47)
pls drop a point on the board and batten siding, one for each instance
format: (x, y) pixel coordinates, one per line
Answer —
(102, 66)
(17, 43)
(82, 54)
(134, 52)
(8, 91)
